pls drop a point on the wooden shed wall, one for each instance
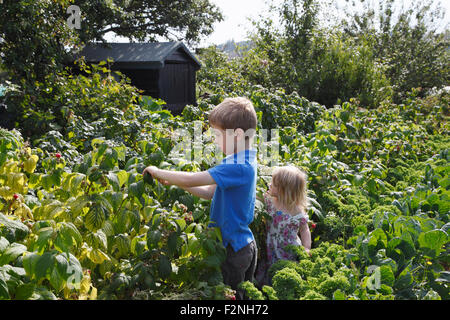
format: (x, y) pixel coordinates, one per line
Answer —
(177, 84)
(147, 80)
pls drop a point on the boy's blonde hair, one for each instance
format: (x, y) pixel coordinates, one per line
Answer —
(291, 184)
(234, 113)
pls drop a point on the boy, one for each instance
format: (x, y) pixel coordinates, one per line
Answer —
(231, 185)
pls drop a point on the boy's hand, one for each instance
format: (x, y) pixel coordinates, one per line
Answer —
(164, 182)
(151, 170)
(154, 172)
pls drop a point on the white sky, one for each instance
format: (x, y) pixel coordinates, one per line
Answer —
(235, 24)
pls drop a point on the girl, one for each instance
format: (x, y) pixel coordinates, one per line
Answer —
(286, 202)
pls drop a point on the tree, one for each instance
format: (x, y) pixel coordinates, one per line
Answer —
(145, 20)
(315, 60)
(407, 40)
(37, 37)
(34, 34)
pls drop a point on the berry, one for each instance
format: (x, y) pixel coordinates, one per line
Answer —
(58, 155)
(15, 196)
(313, 226)
(188, 219)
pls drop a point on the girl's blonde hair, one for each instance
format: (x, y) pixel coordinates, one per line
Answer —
(291, 184)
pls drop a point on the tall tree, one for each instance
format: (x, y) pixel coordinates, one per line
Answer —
(145, 20)
(407, 39)
(37, 34)
(307, 56)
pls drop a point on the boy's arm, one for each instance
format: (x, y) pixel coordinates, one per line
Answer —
(179, 178)
(205, 192)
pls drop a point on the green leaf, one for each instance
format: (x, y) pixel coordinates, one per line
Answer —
(121, 152)
(122, 176)
(377, 240)
(137, 246)
(94, 173)
(404, 280)
(69, 268)
(25, 291)
(377, 173)
(44, 265)
(431, 242)
(137, 189)
(123, 244)
(444, 182)
(113, 180)
(372, 186)
(135, 219)
(4, 243)
(95, 218)
(386, 275)
(29, 264)
(97, 239)
(148, 179)
(12, 252)
(109, 160)
(444, 276)
(153, 237)
(12, 230)
(212, 261)
(56, 280)
(42, 293)
(75, 182)
(4, 292)
(116, 200)
(164, 267)
(44, 238)
(338, 295)
(172, 243)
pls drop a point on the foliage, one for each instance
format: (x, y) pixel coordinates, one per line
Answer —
(146, 20)
(95, 230)
(34, 35)
(384, 204)
(321, 64)
(38, 40)
(407, 40)
(275, 108)
(81, 107)
(81, 223)
(369, 56)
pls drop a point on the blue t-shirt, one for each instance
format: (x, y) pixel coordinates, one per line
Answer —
(233, 203)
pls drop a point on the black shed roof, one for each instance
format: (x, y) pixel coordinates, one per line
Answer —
(136, 55)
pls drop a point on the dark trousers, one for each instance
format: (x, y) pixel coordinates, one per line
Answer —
(239, 266)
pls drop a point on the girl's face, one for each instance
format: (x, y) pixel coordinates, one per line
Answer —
(273, 191)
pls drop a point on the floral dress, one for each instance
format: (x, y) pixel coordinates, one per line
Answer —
(281, 231)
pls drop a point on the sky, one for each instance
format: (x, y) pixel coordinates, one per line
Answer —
(235, 24)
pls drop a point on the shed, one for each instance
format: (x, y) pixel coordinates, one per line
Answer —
(164, 70)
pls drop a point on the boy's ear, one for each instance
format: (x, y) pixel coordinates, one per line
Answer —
(239, 133)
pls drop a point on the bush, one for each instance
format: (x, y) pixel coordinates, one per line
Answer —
(288, 284)
(331, 284)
